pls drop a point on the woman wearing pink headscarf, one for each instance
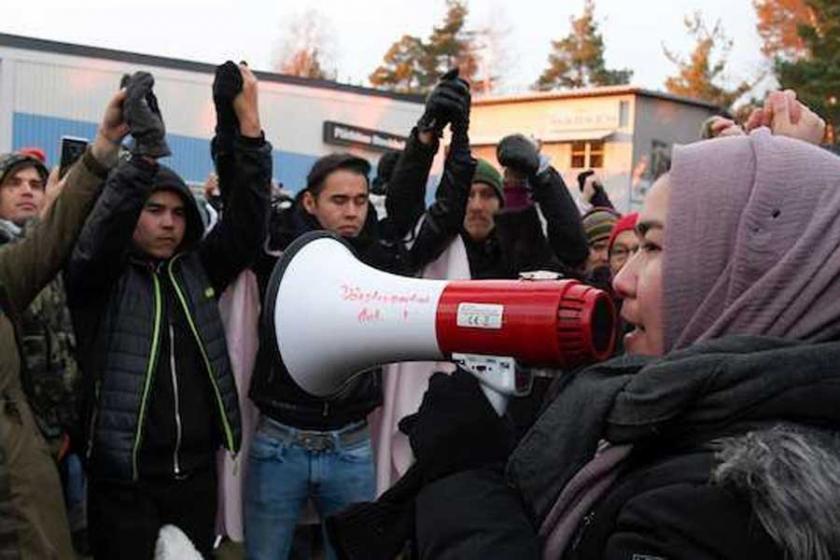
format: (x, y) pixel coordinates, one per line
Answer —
(718, 435)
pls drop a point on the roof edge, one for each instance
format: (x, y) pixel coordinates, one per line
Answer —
(73, 49)
(604, 91)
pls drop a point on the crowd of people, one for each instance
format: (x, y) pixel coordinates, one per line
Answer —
(133, 351)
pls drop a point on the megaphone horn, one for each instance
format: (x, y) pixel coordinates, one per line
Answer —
(333, 317)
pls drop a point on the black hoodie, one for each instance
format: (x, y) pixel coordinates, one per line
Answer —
(128, 308)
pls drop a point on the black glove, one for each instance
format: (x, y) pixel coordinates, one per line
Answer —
(456, 427)
(518, 153)
(449, 102)
(226, 86)
(143, 117)
(377, 530)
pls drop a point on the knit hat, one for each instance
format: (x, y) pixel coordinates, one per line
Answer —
(486, 173)
(625, 223)
(598, 223)
(10, 163)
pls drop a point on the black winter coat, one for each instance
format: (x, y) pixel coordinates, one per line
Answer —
(272, 389)
(151, 342)
(517, 244)
(380, 245)
(427, 232)
(735, 456)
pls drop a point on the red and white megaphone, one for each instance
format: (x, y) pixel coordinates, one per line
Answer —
(334, 317)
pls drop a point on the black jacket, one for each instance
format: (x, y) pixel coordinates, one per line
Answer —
(151, 342)
(428, 232)
(699, 483)
(402, 244)
(516, 245)
(272, 388)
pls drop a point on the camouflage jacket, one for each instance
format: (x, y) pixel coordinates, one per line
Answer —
(49, 367)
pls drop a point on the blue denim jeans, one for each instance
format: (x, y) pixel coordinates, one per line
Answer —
(286, 466)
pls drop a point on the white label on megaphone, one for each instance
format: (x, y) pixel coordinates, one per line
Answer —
(480, 315)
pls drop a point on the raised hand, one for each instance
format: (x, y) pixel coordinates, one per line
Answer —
(144, 119)
(227, 84)
(245, 104)
(518, 153)
(112, 130)
(448, 103)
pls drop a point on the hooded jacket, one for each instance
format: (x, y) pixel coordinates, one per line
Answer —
(159, 395)
(735, 449)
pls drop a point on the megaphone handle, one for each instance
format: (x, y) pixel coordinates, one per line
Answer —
(498, 400)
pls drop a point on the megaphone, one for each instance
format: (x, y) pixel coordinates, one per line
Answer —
(334, 317)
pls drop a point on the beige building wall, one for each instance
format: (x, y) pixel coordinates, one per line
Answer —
(558, 123)
(631, 123)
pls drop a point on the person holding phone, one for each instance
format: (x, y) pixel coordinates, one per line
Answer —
(72, 149)
(33, 523)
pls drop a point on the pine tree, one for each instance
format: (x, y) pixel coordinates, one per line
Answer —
(577, 60)
(816, 76)
(412, 65)
(699, 76)
(404, 67)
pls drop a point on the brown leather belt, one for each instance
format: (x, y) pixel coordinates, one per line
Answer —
(313, 440)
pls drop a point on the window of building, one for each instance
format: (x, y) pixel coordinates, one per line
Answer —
(623, 113)
(586, 155)
(578, 155)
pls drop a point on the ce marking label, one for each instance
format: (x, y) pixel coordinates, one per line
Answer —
(480, 315)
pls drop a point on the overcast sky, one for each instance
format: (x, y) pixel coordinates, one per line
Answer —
(215, 30)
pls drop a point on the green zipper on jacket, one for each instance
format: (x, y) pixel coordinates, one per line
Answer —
(150, 369)
(222, 414)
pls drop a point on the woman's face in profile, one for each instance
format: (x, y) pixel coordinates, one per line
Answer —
(639, 283)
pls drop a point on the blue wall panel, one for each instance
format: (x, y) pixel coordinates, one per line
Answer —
(191, 156)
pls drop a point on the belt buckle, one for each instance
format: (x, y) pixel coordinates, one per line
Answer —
(314, 441)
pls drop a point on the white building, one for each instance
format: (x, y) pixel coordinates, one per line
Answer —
(624, 133)
(50, 89)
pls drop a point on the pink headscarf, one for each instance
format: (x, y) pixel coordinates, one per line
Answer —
(752, 241)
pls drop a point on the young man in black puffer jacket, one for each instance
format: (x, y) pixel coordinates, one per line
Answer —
(143, 286)
(320, 448)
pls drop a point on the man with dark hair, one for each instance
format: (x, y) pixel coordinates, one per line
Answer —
(320, 448)
(23, 181)
(306, 446)
(143, 284)
(32, 519)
